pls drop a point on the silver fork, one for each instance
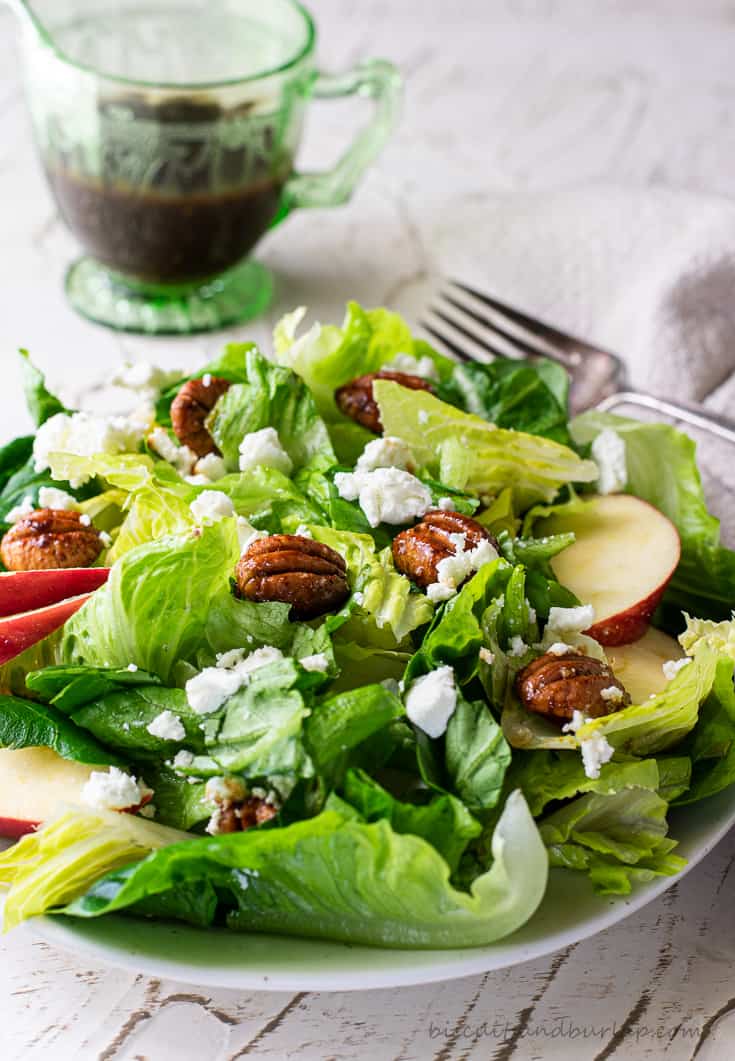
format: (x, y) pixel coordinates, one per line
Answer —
(473, 326)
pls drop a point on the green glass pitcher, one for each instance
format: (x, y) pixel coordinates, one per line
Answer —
(168, 132)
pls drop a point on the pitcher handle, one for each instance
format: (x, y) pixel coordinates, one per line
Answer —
(375, 79)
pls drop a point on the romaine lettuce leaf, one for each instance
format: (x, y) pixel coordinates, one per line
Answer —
(67, 688)
(271, 396)
(468, 453)
(330, 878)
(341, 722)
(41, 403)
(711, 743)
(121, 719)
(24, 724)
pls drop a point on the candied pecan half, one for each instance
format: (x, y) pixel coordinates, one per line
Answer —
(49, 538)
(418, 550)
(309, 576)
(190, 409)
(557, 686)
(236, 816)
(355, 398)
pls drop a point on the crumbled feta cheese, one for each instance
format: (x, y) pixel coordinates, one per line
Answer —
(50, 497)
(595, 750)
(517, 646)
(113, 790)
(487, 656)
(386, 452)
(317, 662)
(386, 495)
(247, 534)
(423, 416)
(85, 520)
(182, 760)
(207, 379)
(180, 457)
(21, 511)
(167, 726)
(264, 448)
(106, 539)
(209, 689)
(531, 612)
(132, 667)
(446, 504)
(144, 377)
(412, 366)
(431, 701)
(224, 789)
(672, 666)
(302, 531)
(211, 467)
(85, 435)
(608, 453)
(578, 720)
(612, 694)
(559, 649)
(211, 506)
(570, 620)
(358, 598)
(452, 571)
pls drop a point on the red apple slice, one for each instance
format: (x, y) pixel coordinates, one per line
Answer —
(624, 556)
(33, 781)
(24, 591)
(19, 632)
(639, 666)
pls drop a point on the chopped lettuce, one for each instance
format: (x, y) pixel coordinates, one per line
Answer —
(468, 453)
(24, 724)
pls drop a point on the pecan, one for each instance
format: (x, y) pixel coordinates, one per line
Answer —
(355, 399)
(190, 409)
(297, 571)
(557, 686)
(418, 550)
(234, 817)
(48, 538)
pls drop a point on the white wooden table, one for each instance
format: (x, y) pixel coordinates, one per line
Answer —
(502, 95)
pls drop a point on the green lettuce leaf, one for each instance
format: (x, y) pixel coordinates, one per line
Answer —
(343, 721)
(24, 724)
(121, 719)
(67, 688)
(468, 453)
(711, 744)
(332, 878)
(662, 469)
(41, 403)
(271, 396)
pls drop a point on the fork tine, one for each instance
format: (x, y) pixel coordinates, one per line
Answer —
(451, 340)
(554, 336)
(486, 333)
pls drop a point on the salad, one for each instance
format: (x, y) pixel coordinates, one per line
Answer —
(346, 639)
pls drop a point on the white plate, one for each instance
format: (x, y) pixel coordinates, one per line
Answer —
(570, 912)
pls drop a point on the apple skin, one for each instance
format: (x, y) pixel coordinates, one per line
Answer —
(19, 632)
(33, 782)
(25, 591)
(630, 625)
(12, 829)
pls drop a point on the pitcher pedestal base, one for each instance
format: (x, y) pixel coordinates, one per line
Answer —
(107, 298)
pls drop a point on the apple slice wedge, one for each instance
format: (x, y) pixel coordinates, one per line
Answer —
(639, 666)
(621, 562)
(24, 591)
(33, 781)
(19, 632)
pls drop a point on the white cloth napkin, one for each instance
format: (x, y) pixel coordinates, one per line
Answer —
(648, 274)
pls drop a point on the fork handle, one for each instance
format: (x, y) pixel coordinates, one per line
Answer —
(688, 412)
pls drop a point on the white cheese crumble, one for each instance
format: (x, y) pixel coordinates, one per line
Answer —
(423, 416)
(211, 467)
(672, 666)
(596, 750)
(180, 457)
(612, 694)
(106, 539)
(264, 448)
(608, 453)
(167, 726)
(386, 495)
(209, 689)
(487, 656)
(517, 646)
(446, 504)
(224, 789)
(50, 497)
(132, 667)
(452, 571)
(113, 790)
(211, 506)
(247, 534)
(207, 379)
(317, 662)
(182, 760)
(559, 649)
(85, 520)
(570, 620)
(144, 377)
(302, 531)
(386, 452)
(85, 435)
(412, 366)
(431, 701)
(21, 511)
